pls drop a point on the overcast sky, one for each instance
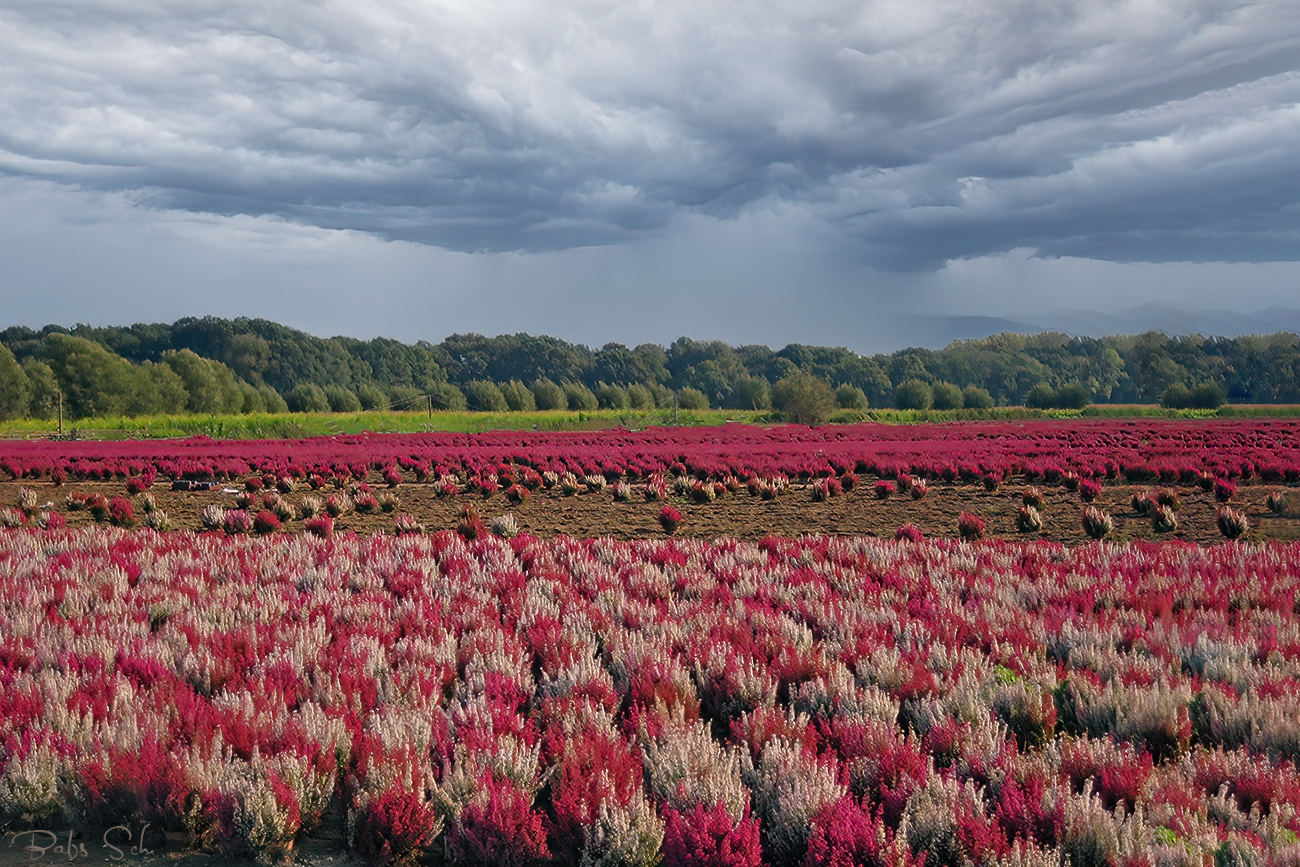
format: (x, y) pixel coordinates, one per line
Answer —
(615, 170)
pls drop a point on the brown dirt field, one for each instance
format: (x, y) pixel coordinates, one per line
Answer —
(547, 512)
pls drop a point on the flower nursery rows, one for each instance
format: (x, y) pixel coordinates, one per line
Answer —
(820, 701)
(1140, 450)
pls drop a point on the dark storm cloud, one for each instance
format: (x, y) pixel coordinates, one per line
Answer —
(920, 131)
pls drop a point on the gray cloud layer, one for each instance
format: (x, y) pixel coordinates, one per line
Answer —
(919, 131)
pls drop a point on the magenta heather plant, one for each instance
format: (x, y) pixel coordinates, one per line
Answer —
(321, 525)
(709, 837)
(910, 532)
(120, 512)
(670, 519)
(846, 835)
(235, 521)
(502, 830)
(265, 521)
(1089, 490)
(884, 490)
(970, 527)
(1224, 490)
(394, 828)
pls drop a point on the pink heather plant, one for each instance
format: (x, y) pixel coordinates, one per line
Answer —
(884, 490)
(394, 828)
(670, 519)
(970, 527)
(120, 512)
(321, 526)
(501, 831)
(1224, 490)
(909, 532)
(265, 521)
(709, 837)
(235, 522)
(1089, 490)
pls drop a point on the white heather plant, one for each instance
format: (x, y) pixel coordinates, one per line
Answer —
(628, 836)
(212, 517)
(506, 526)
(310, 506)
(790, 787)
(685, 767)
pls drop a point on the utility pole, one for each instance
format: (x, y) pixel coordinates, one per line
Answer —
(60, 413)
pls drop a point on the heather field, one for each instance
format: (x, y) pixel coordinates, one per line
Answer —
(425, 650)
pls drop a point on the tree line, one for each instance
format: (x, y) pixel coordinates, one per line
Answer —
(213, 365)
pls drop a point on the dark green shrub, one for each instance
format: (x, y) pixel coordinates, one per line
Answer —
(341, 399)
(611, 396)
(752, 392)
(691, 398)
(850, 397)
(913, 394)
(307, 397)
(484, 396)
(548, 395)
(518, 396)
(974, 397)
(803, 398)
(579, 397)
(945, 395)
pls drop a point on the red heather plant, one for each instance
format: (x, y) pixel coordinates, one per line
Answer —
(848, 481)
(884, 490)
(501, 829)
(136, 485)
(1224, 490)
(517, 493)
(121, 513)
(253, 484)
(394, 828)
(709, 837)
(97, 505)
(392, 476)
(265, 522)
(970, 527)
(846, 835)
(910, 532)
(321, 526)
(365, 503)
(1089, 490)
(991, 481)
(670, 519)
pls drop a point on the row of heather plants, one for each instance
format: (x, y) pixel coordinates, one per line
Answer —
(1135, 451)
(811, 701)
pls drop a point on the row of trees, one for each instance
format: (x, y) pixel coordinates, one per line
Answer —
(219, 365)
